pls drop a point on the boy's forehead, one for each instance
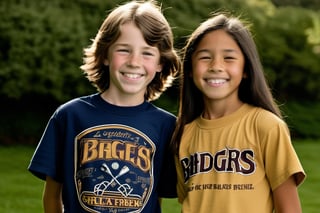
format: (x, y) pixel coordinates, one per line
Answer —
(131, 35)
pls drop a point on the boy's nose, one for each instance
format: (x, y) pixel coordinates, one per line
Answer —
(134, 60)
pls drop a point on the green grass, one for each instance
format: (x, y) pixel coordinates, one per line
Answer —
(22, 193)
(19, 190)
(309, 154)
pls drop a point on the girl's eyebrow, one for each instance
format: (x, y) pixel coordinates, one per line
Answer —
(201, 51)
(231, 50)
(224, 50)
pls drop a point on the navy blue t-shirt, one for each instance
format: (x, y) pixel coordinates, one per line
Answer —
(108, 158)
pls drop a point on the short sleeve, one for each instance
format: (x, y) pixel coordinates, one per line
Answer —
(48, 154)
(181, 192)
(281, 160)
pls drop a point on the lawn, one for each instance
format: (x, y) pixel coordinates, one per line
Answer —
(21, 192)
(309, 154)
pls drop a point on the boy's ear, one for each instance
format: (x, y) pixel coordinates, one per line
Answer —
(106, 62)
(159, 68)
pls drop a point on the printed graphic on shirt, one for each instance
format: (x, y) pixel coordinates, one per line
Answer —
(225, 160)
(113, 169)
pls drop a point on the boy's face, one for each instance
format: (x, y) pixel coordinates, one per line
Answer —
(132, 63)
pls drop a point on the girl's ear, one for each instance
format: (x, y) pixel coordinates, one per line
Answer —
(106, 62)
(245, 75)
(191, 74)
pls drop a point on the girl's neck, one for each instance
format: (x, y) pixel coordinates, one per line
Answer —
(218, 109)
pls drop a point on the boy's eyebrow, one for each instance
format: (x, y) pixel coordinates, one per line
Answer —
(121, 44)
(128, 45)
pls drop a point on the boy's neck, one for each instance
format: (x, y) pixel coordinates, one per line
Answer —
(118, 100)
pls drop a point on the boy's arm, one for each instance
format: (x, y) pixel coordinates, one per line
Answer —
(52, 196)
(286, 198)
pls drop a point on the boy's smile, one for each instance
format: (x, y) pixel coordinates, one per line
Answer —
(133, 64)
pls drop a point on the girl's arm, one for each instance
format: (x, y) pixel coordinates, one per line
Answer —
(52, 196)
(286, 198)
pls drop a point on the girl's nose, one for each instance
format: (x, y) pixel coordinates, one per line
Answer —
(211, 69)
(216, 66)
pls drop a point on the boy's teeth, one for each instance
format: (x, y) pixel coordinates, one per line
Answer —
(129, 75)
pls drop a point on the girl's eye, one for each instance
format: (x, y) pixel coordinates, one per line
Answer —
(229, 58)
(204, 58)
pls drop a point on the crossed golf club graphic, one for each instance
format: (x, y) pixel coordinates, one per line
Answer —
(124, 189)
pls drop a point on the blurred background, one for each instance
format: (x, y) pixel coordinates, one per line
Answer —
(42, 43)
(41, 50)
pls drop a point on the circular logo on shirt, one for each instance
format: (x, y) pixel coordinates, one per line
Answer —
(113, 169)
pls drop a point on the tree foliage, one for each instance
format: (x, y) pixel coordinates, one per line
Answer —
(310, 4)
(41, 44)
(42, 41)
(289, 56)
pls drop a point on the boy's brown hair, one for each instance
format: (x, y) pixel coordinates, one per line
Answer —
(147, 16)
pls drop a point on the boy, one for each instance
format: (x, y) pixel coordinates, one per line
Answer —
(104, 152)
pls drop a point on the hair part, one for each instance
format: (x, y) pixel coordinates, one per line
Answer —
(147, 16)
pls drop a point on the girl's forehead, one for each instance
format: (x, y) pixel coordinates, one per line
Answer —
(217, 39)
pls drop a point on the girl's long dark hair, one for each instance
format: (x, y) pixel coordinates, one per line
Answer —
(253, 90)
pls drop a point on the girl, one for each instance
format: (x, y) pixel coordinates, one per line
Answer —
(105, 152)
(233, 149)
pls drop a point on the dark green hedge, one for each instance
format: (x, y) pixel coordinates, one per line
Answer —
(41, 45)
(42, 41)
(303, 119)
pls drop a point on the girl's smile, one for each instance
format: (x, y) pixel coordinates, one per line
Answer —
(215, 82)
(218, 67)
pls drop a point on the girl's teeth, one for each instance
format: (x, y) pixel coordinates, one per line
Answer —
(216, 81)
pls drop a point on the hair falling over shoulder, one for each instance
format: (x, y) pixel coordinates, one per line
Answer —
(253, 90)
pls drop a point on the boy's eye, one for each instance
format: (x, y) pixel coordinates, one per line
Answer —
(147, 53)
(123, 50)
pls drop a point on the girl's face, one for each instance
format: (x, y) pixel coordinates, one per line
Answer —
(132, 63)
(217, 67)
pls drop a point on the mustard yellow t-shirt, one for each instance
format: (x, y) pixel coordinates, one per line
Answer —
(232, 164)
